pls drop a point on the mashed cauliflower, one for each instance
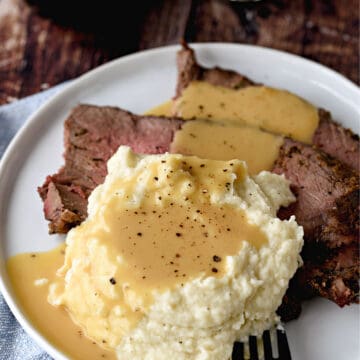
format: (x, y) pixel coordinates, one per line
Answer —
(122, 284)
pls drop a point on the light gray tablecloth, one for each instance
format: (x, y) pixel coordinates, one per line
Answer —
(15, 344)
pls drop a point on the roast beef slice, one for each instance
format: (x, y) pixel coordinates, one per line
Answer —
(327, 194)
(92, 134)
(327, 205)
(330, 136)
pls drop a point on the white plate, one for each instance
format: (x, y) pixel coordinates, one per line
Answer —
(137, 83)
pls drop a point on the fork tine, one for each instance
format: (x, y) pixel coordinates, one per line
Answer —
(238, 351)
(267, 346)
(253, 348)
(284, 350)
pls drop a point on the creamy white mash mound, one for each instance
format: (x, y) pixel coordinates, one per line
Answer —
(200, 316)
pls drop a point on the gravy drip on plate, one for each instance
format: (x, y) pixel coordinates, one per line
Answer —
(164, 109)
(30, 275)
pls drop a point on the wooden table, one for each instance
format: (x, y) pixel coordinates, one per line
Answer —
(37, 52)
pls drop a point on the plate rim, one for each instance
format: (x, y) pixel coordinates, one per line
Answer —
(76, 85)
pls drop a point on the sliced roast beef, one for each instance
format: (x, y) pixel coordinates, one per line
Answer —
(333, 274)
(337, 141)
(330, 274)
(330, 136)
(189, 70)
(92, 135)
(327, 193)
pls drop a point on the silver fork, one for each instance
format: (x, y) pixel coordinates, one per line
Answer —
(268, 349)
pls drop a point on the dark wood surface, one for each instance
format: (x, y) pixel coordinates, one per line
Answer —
(40, 50)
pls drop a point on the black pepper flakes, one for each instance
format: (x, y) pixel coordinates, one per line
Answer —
(214, 270)
(112, 281)
(178, 234)
(216, 258)
(156, 178)
(202, 165)
(139, 234)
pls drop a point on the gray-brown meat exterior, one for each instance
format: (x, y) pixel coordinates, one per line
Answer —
(327, 188)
